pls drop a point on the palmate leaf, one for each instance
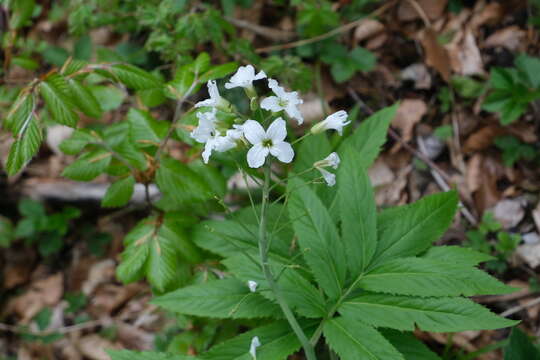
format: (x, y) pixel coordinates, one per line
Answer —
(410, 229)
(357, 211)
(55, 92)
(298, 292)
(409, 346)
(119, 193)
(25, 147)
(222, 299)
(145, 355)
(429, 314)
(277, 342)
(427, 277)
(353, 340)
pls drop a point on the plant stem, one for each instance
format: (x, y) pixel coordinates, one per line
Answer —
(263, 252)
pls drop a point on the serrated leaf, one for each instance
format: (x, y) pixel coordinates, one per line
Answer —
(318, 238)
(222, 299)
(520, 347)
(78, 141)
(134, 77)
(409, 346)
(218, 72)
(119, 193)
(277, 342)
(181, 183)
(353, 340)
(145, 355)
(88, 166)
(368, 138)
(530, 66)
(84, 99)
(144, 130)
(201, 63)
(358, 212)
(108, 97)
(24, 148)
(410, 229)
(20, 113)
(429, 314)
(298, 292)
(457, 255)
(71, 66)
(426, 277)
(129, 152)
(54, 91)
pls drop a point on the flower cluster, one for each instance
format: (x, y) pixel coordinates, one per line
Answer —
(217, 135)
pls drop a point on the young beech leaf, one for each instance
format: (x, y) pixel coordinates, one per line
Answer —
(277, 343)
(145, 355)
(368, 138)
(352, 339)
(429, 314)
(297, 290)
(134, 77)
(119, 193)
(88, 166)
(20, 113)
(84, 99)
(318, 238)
(144, 130)
(78, 141)
(24, 148)
(427, 277)
(410, 229)
(358, 212)
(56, 93)
(221, 299)
(409, 346)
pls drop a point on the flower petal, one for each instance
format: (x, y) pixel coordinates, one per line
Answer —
(283, 151)
(271, 103)
(294, 113)
(328, 177)
(256, 156)
(277, 131)
(208, 147)
(254, 132)
(260, 75)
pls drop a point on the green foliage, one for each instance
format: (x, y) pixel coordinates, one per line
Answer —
(514, 150)
(520, 347)
(513, 89)
(344, 64)
(119, 193)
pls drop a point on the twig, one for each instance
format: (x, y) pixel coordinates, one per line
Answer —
(327, 35)
(518, 308)
(61, 330)
(420, 12)
(264, 31)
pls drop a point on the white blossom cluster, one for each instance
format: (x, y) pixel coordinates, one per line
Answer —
(217, 136)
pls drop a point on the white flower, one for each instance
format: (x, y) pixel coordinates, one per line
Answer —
(332, 161)
(255, 343)
(244, 77)
(267, 142)
(215, 98)
(336, 121)
(207, 134)
(252, 285)
(283, 100)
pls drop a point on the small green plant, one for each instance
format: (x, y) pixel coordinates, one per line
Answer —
(513, 89)
(489, 238)
(521, 347)
(514, 150)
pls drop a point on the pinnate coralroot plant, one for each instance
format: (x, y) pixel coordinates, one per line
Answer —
(312, 264)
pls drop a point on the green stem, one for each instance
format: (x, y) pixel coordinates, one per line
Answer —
(263, 251)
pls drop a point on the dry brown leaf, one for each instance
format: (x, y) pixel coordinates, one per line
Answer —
(367, 28)
(94, 347)
(511, 38)
(530, 253)
(376, 42)
(465, 57)
(436, 55)
(486, 14)
(509, 212)
(482, 139)
(101, 272)
(432, 8)
(419, 74)
(487, 194)
(134, 338)
(109, 297)
(409, 113)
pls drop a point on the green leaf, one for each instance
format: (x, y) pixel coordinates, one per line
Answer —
(89, 166)
(222, 299)
(145, 355)
(410, 229)
(119, 193)
(54, 91)
(144, 130)
(201, 63)
(297, 291)
(351, 340)
(277, 343)
(22, 11)
(409, 346)
(84, 99)
(6, 232)
(425, 277)
(219, 71)
(429, 314)
(368, 138)
(20, 113)
(530, 66)
(467, 87)
(78, 141)
(457, 255)
(358, 213)
(364, 60)
(318, 238)
(108, 97)
(25, 147)
(134, 77)
(182, 184)
(520, 347)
